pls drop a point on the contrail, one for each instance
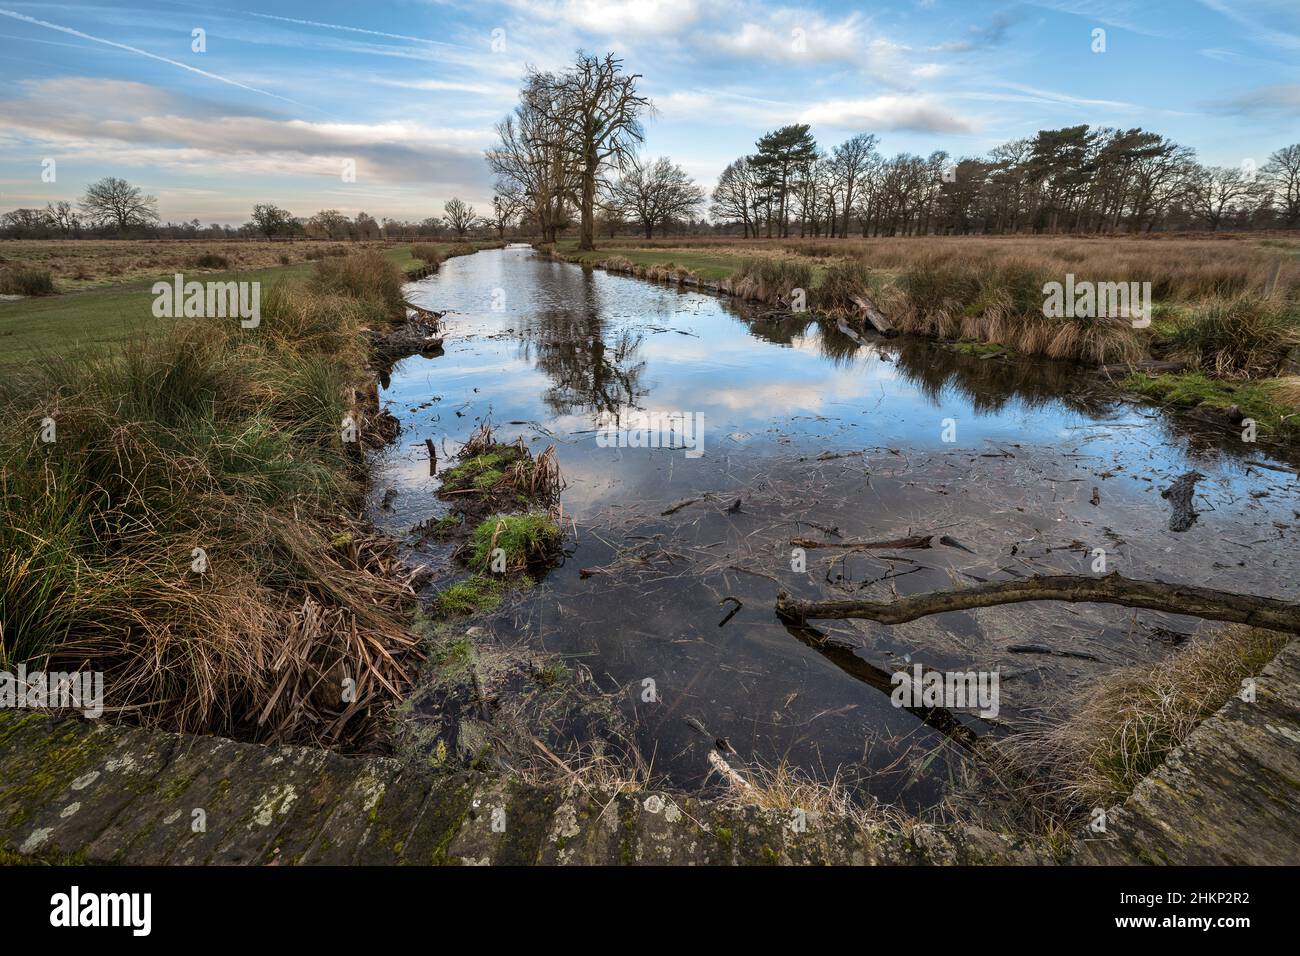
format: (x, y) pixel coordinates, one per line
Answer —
(339, 26)
(153, 56)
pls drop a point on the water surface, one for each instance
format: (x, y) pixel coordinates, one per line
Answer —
(814, 432)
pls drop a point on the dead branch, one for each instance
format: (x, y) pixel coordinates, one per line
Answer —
(915, 541)
(874, 316)
(1186, 599)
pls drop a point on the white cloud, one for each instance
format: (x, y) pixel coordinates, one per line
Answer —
(796, 36)
(135, 123)
(927, 71)
(617, 16)
(917, 113)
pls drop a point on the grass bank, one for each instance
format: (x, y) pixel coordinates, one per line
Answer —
(108, 314)
(179, 513)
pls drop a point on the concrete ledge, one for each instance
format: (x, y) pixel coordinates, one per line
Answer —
(81, 791)
(96, 793)
(1229, 795)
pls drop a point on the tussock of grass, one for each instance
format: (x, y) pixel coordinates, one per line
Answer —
(475, 594)
(528, 540)
(771, 279)
(484, 470)
(842, 282)
(367, 275)
(426, 252)
(315, 255)
(588, 771)
(503, 474)
(26, 280)
(786, 790)
(1001, 303)
(1246, 336)
(209, 260)
(1286, 391)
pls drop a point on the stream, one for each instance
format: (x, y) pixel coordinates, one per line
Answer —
(811, 433)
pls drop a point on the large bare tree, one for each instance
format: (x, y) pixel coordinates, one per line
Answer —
(113, 201)
(460, 215)
(736, 198)
(1282, 174)
(850, 163)
(597, 111)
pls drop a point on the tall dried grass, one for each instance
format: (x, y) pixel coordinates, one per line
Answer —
(1244, 336)
(366, 275)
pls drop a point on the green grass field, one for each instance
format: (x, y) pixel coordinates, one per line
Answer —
(95, 318)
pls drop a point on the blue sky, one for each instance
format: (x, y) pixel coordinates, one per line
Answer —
(410, 89)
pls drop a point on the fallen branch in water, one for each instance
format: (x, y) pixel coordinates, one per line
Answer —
(874, 316)
(915, 541)
(1074, 588)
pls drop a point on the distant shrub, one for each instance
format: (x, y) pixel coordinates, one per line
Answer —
(209, 260)
(315, 254)
(26, 280)
(426, 252)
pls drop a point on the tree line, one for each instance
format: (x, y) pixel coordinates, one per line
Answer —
(113, 207)
(1078, 179)
(568, 154)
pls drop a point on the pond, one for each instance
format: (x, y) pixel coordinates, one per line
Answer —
(1024, 466)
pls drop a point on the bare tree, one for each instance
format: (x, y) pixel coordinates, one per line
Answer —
(656, 193)
(597, 111)
(26, 223)
(850, 162)
(505, 206)
(61, 216)
(1217, 191)
(735, 199)
(531, 160)
(327, 224)
(1282, 173)
(460, 216)
(113, 201)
